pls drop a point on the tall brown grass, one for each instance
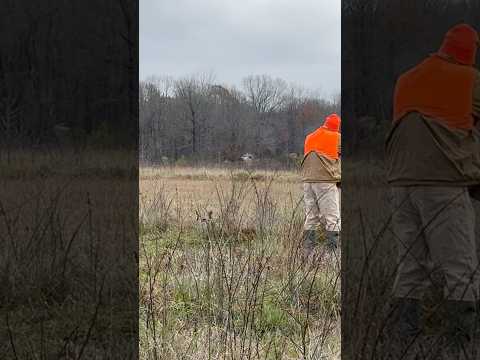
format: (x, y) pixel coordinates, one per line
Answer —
(369, 266)
(68, 253)
(210, 292)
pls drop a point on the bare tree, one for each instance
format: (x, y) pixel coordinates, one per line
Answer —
(191, 92)
(266, 95)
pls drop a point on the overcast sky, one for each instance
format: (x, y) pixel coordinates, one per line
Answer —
(297, 40)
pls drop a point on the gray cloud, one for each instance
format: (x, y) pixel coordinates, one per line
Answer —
(298, 41)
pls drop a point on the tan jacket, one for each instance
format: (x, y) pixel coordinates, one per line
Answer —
(421, 151)
(319, 168)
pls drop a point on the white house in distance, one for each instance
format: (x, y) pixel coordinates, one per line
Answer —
(247, 157)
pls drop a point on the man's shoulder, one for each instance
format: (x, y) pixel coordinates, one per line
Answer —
(413, 68)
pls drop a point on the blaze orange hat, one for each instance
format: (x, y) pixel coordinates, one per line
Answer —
(332, 122)
(461, 43)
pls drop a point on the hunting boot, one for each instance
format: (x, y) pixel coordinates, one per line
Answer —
(460, 327)
(332, 240)
(309, 242)
(403, 330)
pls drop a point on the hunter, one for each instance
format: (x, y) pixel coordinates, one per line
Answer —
(433, 160)
(321, 174)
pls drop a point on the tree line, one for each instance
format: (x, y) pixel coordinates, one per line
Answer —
(196, 118)
(68, 63)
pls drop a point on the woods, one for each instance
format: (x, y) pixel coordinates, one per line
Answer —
(71, 64)
(196, 118)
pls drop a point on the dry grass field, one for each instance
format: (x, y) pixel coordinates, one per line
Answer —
(232, 286)
(369, 266)
(67, 256)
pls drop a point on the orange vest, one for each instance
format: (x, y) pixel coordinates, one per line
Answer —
(324, 142)
(438, 89)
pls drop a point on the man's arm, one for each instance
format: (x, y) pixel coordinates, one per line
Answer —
(476, 99)
(339, 155)
(475, 190)
(340, 146)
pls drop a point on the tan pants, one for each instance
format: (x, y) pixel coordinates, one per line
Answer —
(435, 226)
(322, 206)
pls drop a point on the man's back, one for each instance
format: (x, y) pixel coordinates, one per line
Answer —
(433, 140)
(321, 162)
(440, 89)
